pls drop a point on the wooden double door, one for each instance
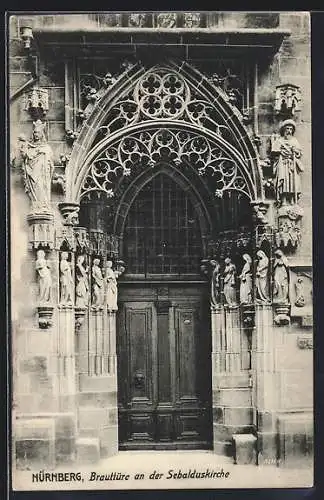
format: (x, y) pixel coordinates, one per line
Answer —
(164, 366)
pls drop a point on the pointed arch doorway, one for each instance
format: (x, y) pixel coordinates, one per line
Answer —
(163, 322)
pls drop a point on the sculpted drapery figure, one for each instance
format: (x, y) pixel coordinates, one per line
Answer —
(98, 284)
(82, 282)
(111, 287)
(215, 284)
(300, 293)
(66, 278)
(229, 276)
(280, 278)
(287, 153)
(246, 281)
(45, 278)
(261, 278)
(36, 159)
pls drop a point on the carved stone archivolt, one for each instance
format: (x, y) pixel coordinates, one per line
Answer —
(147, 149)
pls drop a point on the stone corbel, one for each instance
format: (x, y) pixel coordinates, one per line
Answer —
(282, 314)
(80, 314)
(71, 136)
(45, 314)
(248, 316)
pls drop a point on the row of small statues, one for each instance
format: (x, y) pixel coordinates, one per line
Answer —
(224, 282)
(104, 285)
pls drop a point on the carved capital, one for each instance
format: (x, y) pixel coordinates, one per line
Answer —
(70, 213)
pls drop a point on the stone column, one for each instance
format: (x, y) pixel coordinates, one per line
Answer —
(265, 384)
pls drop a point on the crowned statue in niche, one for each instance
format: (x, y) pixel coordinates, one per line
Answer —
(36, 159)
(286, 153)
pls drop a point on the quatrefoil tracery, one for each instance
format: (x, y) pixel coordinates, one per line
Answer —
(162, 93)
(147, 149)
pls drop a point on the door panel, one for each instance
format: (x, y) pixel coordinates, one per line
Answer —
(164, 402)
(136, 391)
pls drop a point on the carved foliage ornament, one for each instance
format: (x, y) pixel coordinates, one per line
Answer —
(146, 149)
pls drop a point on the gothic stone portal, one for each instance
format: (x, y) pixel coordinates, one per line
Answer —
(163, 326)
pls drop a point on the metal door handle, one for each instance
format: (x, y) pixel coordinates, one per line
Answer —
(139, 379)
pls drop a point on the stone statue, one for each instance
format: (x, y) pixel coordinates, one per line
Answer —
(215, 284)
(229, 276)
(66, 279)
(98, 284)
(300, 295)
(36, 159)
(280, 278)
(246, 281)
(287, 165)
(111, 287)
(45, 277)
(82, 282)
(261, 278)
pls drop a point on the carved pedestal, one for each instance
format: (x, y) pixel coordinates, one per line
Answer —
(45, 314)
(41, 229)
(281, 314)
